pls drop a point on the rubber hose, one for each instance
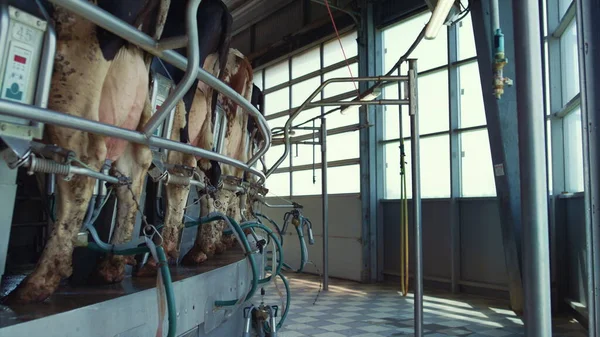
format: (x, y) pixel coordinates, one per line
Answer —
(166, 275)
(272, 235)
(272, 223)
(164, 271)
(288, 299)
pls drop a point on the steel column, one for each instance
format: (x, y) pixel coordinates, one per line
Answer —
(325, 196)
(415, 157)
(588, 31)
(367, 60)
(501, 119)
(532, 155)
(455, 158)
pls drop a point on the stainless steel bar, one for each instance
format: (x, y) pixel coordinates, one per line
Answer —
(376, 102)
(78, 123)
(416, 193)
(93, 174)
(532, 157)
(588, 34)
(105, 20)
(193, 53)
(288, 123)
(172, 43)
(325, 200)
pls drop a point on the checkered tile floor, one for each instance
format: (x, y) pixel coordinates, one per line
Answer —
(354, 309)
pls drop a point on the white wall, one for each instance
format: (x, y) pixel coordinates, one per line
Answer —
(345, 232)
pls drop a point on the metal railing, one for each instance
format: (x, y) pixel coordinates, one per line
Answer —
(120, 28)
(307, 103)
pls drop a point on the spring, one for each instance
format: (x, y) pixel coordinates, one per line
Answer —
(178, 180)
(48, 166)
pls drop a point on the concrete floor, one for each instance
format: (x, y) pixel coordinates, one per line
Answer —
(354, 309)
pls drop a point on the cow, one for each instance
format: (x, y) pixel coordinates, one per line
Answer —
(190, 124)
(237, 73)
(100, 77)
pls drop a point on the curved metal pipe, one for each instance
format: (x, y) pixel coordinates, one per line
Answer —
(193, 52)
(288, 124)
(120, 28)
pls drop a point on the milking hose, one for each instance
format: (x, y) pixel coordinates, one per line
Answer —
(239, 233)
(270, 233)
(164, 271)
(272, 223)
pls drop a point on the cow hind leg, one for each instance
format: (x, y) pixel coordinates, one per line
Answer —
(133, 163)
(209, 238)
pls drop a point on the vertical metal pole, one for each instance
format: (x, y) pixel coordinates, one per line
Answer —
(325, 204)
(416, 194)
(532, 156)
(588, 32)
(455, 159)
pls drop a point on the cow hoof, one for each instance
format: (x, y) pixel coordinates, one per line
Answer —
(35, 288)
(194, 257)
(148, 270)
(130, 260)
(220, 247)
(111, 270)
(229, 241)
(26, 295)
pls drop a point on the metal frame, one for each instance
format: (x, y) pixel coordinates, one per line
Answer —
(411, 101)
(103, 19)
(307, 102)
(589, 40)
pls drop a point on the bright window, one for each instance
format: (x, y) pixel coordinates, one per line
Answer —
(305, 63)
(434, 165)
(430, 53)
(477, 175)
(277, 74)
(472, 111)
(304, 184)
(339, 88)
(343, 146)
(332, 53)
(343, 179)
(466, 39)
(279, 184)
(302, 90)
(573, 147)
(433, 102)
(303, 154)
(277, 101)
(273, 155)
(391, 116)
(570, 63)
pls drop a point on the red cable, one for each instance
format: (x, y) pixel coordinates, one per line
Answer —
(341, 46)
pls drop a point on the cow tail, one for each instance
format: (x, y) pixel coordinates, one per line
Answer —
(224, 44)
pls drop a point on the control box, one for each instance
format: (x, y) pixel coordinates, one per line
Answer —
(22, 60)
(21, 57)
